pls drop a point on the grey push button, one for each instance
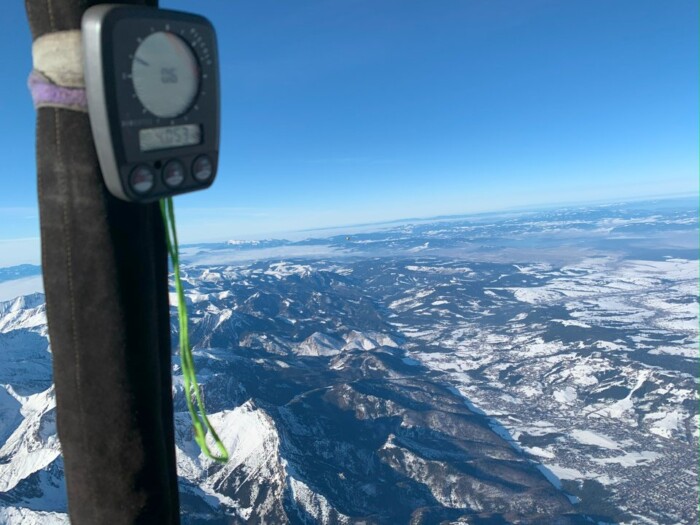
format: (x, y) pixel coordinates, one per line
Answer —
(202, 168)
(142, 179)
(173, 173)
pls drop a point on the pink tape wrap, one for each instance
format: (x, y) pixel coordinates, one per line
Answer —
(47, 94)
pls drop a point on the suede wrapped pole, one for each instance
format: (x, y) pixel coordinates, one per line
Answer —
(105, 276)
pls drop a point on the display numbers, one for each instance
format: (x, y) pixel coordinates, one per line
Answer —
(169, 137)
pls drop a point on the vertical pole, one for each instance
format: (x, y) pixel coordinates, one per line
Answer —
(105, 276)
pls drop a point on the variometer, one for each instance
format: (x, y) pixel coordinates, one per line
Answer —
(152, 83)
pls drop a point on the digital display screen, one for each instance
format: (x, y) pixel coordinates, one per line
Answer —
(169, 137)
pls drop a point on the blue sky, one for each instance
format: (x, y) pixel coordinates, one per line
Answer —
(348, 111)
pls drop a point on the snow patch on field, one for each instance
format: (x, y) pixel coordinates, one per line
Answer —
(665, 424)
(571, 322)
(630, 459)
(566, 395)
(566, 472)
(540, 452)
(588, 437)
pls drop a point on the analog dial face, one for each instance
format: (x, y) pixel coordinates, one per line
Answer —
(165, 74)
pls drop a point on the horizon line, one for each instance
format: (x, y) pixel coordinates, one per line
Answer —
(512, 209)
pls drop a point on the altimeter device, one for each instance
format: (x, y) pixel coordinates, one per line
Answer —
(152, 83)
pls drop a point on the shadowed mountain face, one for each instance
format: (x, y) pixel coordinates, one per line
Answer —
(355, 431)
(354, 447)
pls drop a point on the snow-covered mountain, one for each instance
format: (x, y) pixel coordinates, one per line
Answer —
(537, 368)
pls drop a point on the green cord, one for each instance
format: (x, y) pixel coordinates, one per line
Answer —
(198, 413)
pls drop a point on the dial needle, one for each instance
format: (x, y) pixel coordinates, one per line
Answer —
(142, 61)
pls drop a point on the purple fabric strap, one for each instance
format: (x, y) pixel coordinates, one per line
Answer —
(46, 93)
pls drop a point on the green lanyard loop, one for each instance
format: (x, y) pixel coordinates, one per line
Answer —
(198, 413)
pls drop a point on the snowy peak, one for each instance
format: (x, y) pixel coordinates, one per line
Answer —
(318, 344)
(26, 312)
